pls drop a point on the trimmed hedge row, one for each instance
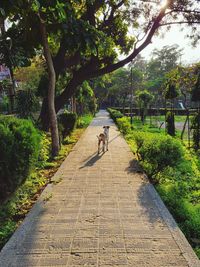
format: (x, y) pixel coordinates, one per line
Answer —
(115, 114)
(19, 150)
(156, 151)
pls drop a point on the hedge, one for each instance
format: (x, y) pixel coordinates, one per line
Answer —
(67, 123)
(19, 144)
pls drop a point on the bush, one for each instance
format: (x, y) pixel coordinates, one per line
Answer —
(157, 151)
(27, 103)
(115, 114)
(124, 125)
(67, 122)
(19, 143)
(196, 131)
(45, 151)
(84, 121)
(175, 171)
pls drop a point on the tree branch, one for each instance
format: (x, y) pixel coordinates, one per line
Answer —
(179, 22)
(112, 67)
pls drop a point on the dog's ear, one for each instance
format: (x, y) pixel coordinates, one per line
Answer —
(104, 127)
(108, 127)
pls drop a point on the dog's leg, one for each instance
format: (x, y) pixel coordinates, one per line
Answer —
(104, 146)
(99, 142)
(107, 144)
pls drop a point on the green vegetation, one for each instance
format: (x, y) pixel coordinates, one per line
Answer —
(67, 122)
(115, 114)
(14, 209)
(84, 121)
(20, 144)
(175, 172)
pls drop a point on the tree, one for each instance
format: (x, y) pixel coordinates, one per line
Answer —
(83, 45)
(144, 98)
(185, 79)
(195, 97)
(119, 87)
(171, 92)
(85, 99)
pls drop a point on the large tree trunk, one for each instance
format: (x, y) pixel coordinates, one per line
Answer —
(60, 101)
(51, 91)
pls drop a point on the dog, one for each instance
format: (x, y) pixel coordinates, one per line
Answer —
(103, 137)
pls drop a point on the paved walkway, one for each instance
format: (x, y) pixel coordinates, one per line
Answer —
(103, 213)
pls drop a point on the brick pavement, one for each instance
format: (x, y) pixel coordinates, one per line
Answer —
(103, 213)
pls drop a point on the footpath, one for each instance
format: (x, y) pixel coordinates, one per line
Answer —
(101, 211)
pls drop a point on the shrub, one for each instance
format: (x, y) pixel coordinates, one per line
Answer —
(67, 122)
(45, 151)
(27, 103)
(115, 114)
(84, 121)
(124, 125)
(19, 142)
(157, 151)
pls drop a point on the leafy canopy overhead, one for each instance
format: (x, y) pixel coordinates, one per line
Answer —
(85, 36)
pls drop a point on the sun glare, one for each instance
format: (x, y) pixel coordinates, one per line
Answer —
(163, 3)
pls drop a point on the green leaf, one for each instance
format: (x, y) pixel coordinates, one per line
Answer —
(35, 6)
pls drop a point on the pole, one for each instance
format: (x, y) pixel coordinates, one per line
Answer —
(131, 105)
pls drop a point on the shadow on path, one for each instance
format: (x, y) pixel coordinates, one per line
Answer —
(92, 160)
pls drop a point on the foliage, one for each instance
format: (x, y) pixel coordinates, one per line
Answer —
(84, 121)
(45, 150)
(196, 131)
(85, 99)
(20, 202)
(26, 104)
(124, 125)
(144, 98)
(20, 143)
(119, 87)
(114, 114)
(156, 151)
(170, 125)
(175, 172)
(171, 90)
(4, 104)
(84, 36)
(195, 96)
(67, 122)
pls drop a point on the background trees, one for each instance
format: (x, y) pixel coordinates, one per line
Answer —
(83, 39)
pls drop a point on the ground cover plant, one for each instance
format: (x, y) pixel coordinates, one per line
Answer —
(173, 169)
(14, 209)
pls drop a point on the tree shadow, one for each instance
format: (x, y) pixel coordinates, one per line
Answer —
(152, 207)
(134, 166)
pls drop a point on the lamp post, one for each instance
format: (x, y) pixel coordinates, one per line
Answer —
(11, 88)
(131, 103)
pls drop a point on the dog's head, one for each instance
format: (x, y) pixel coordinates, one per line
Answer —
(106, 127)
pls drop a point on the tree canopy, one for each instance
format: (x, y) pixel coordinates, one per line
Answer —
(86, 36)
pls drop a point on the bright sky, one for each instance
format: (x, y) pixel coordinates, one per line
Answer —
(174, 36)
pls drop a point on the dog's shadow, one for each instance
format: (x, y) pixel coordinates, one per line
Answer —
(92, 160)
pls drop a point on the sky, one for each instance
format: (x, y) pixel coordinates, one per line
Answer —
(174, 36)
